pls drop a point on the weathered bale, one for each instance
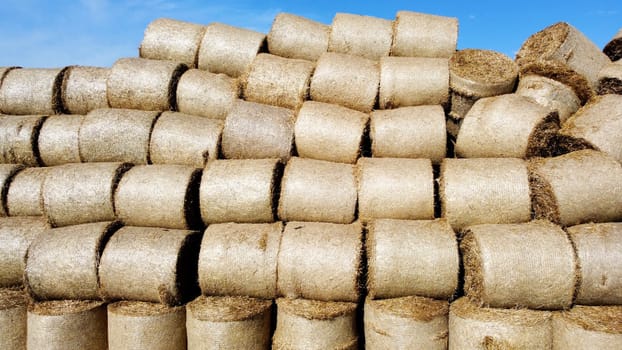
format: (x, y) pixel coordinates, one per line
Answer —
(13, 310)
(293, 36)
(613, 49)
(588, 327)
(84, 89)
(365, 36)
(549, 93)
(424, 35)
(7, 173)
(18, 139)
(172, 40)
(206, 94)
(16, 235)
(24, 195)
(610, 79)
(59, 140)
(32, 91)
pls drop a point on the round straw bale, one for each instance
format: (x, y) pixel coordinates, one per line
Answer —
(408, 132)
(278, 81)
(424, 35)
(172, 40)
(7, 173)
(5, 70)
(561, 73)
(18, 139)
(293, 36)
(406, 323)
(240, 190)
(13, 310)
(24, 195)
(62, 262)
(395, 188)
(229, 50)
(141, 325)
(67, 324)
(316, 190)
(255, 131)
(58, 141)
(315, 325)
(610, 79)
(329, 132)
(67, 203)
(32, 91)
(346, 80)
(365, 36)
(228, 323)
(240, 259)
(206, 94)
(578, 187)
(613, 49)
(16, 235)
(484, 191)
(411, 258)
(599, 251)
(320, 261)
(588, 327)
(475, 327)
(150, 264)
(549, 93)
(140, 83)
(84, 89)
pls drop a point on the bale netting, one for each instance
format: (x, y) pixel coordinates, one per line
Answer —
(18, 139)
(395, 188)
(172, 40)
(58, 141)
(140, 83)
(206, 94)
(67, 324)
(16, 235)
(32, 91)
(215, 323)
(474, 327)
(610, 79)
(346, 80)
(588, 327)
(484, 191)
(364, 36)
(552, 94)
(423, 35)
(240, 190)
(411, 322)
(529, 265)
(141, 325)
(613, 49)
(13, 311)
(411, 258)
(7, 173)
(278, 81)
(293, 36)
(316, 190)
(240, 259)
(84, 89)
(315, 325)
(150, 264)
(320, 261)
(575, 188)
(24, 195)
(330, 132)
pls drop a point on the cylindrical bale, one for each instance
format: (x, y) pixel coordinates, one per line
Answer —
(140, 83)
(346, 80)
(228, 323)
(59, 141)
(18, 139)
(395, 188)
(278, 81)
(84, 89)
(16, 235)
(13, 311)
(613, 49)
(316, 190)
(575, 188)
(562, 73)
(320, 261)
(172, 40)
(484, 191)
(7, 173)
(206, 94)
(423, 35)
(365, 36)
(329, 132)
(136, 325)
(610, 79)
(150, 264)
(229, 50)
(588, 327)
(293, 36)
(475, 327)
(315, 325)
(599, 253)
(24, 195)
(240, 190)
(406, 323)
(411, 258)
(549, 93)
(32, 91)
(5, 70)
(240, 259)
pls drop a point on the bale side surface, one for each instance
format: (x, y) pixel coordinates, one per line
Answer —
(7, 173)
(588, 327)
(16, 235)
(610, 79)
(13, 310)
(206, 94)
(423, 35)
(58, 140)
(481, 73)
(24, 195)
(172, 40)
(18, 139)
(293, 36)
(364, 36)
(32, 91)
(549, 93)
(84, 89)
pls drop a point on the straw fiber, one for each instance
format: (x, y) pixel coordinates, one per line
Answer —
(18, 139)
(24, 195)
(549, 93)
(293, 36)
(610, 79)
(588, 327)
(16, 235)
(7, 173)
(613, 49)
(13, 310)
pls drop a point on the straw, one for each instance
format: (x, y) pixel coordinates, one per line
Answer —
(364, 36)
(32, 91)
(16, 235)
(549, 93)
(24, 195)
(423, 35)
(206, 94)
(610, 79)
(13, 309)
(18, 139)
(58, 141)
(172, 40)
(293, 36)
(613, 49)
(588, 327)
(84, 89)
(7, 173)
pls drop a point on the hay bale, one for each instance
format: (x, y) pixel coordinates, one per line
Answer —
(172, 40)
(228, 323)
(5, 70)
(229, 50)
(140, 83)
(13, 310)
(484, 191)
(240, 191)
(293, 36)
(423, 35)
(346, 80)
(67, 324)
(32, 91)
(18, 139)
(24, 195)
(329, 132)
(549, 93)
(475, 327)
(16, 235)
(240, 259)
(395, 188)
(316, 190)
(206, 94)
(150, 264)
(588, 327)
(561, 73)
(84, 89)
(406, 323)
(364, 36)
(7, 173)
(610, 79)
(256, 131)
(613, 49)
(58, 141)
(315, 325)
(140, 325)
(578, 187)
(411, 258)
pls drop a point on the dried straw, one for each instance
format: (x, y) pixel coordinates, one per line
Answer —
(7, 173)
(424, 35)
(5, 70)
(206, 94)
(293, 36)
(32, 91)
(549, 93)
(561, 73)
(588, 327)
(18, 139)
(610, 79)
(84, 89)
(16, 235)
(24, 195)
(58, 141)
(364, 36)
(613, 49)
(13, 310)
(172, 40)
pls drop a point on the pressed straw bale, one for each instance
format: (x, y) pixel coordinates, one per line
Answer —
(228, 323)
(549, 93)
(58, 141)
(7, 173)
(13, 310)
(24, 195)
(206, 94)
(32, 91)
(240, 259)
(84, 89)
(411, 258)
(588, 327)
(610, 79)
(561, 73)
(613, 49)
(357, 35)
(329, 132)
(423, 35)
(172, 40)
(293, 36)
(18, 139)
(16, 235)
(4, 71)
(316, 190)
(240, 190)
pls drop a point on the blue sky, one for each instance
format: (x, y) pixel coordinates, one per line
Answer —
(36, 33)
